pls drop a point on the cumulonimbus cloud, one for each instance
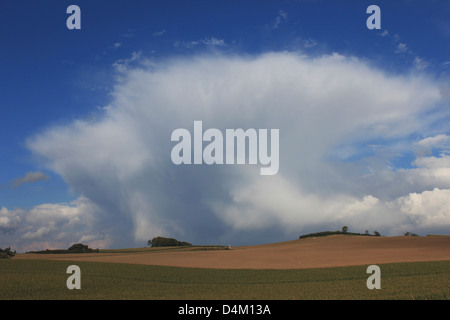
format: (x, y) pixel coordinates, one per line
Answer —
(324, 107)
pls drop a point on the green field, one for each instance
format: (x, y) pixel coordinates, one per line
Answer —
(45, 279)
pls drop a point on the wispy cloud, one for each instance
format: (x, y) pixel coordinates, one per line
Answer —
(384, 33)
(310, 43)
(213, 41)
(209, 42)
(420, 63)
(401, 48)
(30, 177)
(280, 19)
(135, 59)
(159, 33)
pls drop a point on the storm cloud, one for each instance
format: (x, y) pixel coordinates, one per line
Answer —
(341, 121)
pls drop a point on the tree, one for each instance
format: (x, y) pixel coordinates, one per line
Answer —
(149, 243)
(376, 233)
(7, 253)
(344, 229)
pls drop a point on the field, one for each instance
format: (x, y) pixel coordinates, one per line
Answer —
(328, 268)
(43, 279)
(323, 252)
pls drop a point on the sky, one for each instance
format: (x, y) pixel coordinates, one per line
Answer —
(87, 116)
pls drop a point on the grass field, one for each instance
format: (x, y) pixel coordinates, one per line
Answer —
(46, 279)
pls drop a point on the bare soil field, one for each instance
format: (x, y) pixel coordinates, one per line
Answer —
(330, 251)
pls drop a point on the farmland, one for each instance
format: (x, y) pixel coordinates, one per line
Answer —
(332, 267)
(323, 252)
(46, 279)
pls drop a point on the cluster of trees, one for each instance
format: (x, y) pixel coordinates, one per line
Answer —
(367, 233)
(166, 242)
(80, 248)
(7, 253)
(410, 234)
(344, 230)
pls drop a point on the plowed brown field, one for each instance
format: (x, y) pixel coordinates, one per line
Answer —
(331, 251)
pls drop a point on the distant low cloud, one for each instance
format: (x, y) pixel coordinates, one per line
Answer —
(30, 177)
(53, 226)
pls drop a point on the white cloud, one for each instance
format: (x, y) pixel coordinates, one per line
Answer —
(39, 233)
(426, 145)
(427, 209)
(436, 141)
(432, 170)
(9, 220)
(321, 105)
(50, 226)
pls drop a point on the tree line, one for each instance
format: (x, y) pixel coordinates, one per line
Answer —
(344, 230)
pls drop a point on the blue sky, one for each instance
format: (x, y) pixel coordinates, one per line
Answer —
(53, 78)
